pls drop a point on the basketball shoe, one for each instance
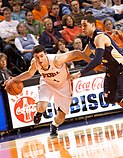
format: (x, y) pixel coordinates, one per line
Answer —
(37, 117)
(53, 131)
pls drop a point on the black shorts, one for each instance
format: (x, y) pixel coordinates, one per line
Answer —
(113, 86)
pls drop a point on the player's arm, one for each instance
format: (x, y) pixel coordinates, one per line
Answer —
(100, 42)
(74, 55)
(27, 74)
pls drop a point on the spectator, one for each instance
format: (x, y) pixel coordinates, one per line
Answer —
(34, 27)
(115, 34)
(55, 16)
(39, 12)
(1, 11)
(118, 8)
(28, 5)
(101, 12)
(8, 32)
(76, 13)
(77, 45)
(17, 13)
(70, 30)
(49, 36)
(5, 73)
(8, 26)
(25, 43)
(61, 46)
(64, 8)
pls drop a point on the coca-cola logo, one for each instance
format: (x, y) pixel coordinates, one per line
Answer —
(96, 83)
(24, 109)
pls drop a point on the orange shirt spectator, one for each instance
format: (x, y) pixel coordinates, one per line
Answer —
(1, 18)
(115, 34)
(99, 25)
(40, 12)
(70, 31)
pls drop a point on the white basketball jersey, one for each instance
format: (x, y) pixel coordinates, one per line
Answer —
(54, 76)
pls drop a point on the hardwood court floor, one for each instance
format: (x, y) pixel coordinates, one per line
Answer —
(99, 140)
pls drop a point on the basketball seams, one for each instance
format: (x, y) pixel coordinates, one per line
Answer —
(14, 87)
(18, 84)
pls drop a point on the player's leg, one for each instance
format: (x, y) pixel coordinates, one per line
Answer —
(45, 94)
(119, 98)
(110, 86)
(62, 102)
(40, 107)
(58, 120)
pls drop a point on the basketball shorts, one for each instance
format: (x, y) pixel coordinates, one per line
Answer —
(113, 87)
(62, 96)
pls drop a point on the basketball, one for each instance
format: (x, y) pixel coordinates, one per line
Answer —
(14, 87)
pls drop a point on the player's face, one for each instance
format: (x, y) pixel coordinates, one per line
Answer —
(41, 58)
(86, 27)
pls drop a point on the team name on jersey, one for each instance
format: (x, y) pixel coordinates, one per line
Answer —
(50, 74)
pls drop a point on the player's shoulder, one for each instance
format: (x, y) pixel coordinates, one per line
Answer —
(101, 36)
(51, 57)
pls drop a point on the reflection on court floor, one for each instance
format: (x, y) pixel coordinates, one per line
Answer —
(102, 140)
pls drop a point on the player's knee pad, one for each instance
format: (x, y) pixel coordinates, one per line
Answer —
(109, 98)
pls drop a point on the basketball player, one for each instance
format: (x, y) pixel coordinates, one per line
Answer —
(107, 52)
(53, 82)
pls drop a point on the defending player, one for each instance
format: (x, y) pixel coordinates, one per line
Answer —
(107, 52)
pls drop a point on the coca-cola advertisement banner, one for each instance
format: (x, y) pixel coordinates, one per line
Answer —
(87, 99)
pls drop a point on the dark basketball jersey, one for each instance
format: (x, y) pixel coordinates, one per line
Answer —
(112, 57)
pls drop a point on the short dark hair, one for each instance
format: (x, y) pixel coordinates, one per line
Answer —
(38, 48)
(52, 4)
(91, 19)
(6, 9)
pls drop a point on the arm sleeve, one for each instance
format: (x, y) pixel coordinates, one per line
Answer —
(94, 62)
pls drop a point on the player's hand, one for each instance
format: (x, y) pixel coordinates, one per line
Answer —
(4, 84)
(75, 75)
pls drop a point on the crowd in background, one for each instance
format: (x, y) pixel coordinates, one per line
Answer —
(26, 23)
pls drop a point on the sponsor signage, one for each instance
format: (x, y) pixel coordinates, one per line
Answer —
(87, 99)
